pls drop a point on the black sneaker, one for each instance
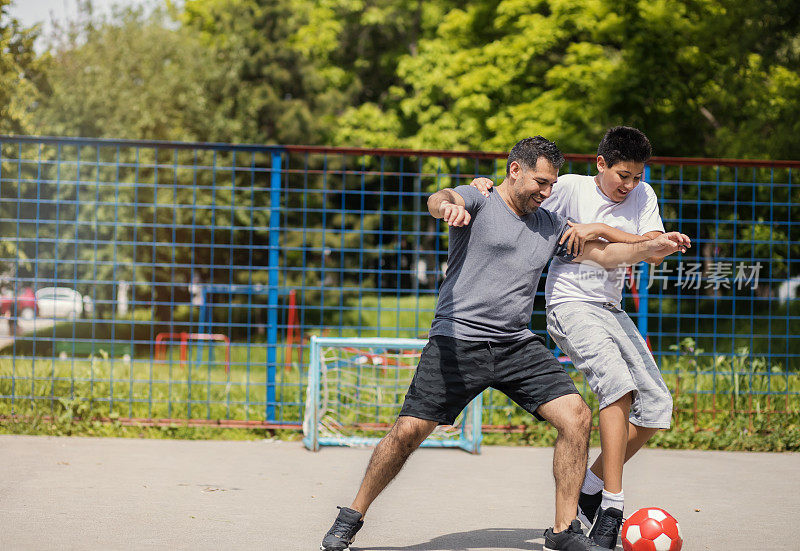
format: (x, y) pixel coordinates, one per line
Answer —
(588, 504)
(343, 531)
(571, 539)
(606, 527)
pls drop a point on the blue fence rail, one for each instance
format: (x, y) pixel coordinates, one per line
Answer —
(154, 280)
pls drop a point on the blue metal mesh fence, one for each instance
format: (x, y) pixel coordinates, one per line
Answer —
(182, 281)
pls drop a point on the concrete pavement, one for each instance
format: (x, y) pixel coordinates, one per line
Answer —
(96, 493)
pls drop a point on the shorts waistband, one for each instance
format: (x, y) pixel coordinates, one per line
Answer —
(599, 304)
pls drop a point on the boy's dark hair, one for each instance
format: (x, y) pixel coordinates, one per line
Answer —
(527, 152)
(623, 143)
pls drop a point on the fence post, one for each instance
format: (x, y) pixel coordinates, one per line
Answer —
(274, 271)
(644, 283)
(311, 418)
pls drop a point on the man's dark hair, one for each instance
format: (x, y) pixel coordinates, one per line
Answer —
(623, 143)
(526, 152)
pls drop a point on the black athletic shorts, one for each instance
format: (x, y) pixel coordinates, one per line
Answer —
(451, 372)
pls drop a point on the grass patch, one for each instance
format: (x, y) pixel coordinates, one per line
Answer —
(388, 316)
(737, 402)
(147, 388)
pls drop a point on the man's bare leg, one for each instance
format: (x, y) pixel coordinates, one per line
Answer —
(389, 457)
(572, 419)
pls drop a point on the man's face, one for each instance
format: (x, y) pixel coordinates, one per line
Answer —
(531, 185)
(617, 181)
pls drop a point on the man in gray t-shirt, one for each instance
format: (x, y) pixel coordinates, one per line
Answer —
(479, 337)
(501, 248)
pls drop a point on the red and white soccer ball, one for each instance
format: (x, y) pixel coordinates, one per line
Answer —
(651, 529)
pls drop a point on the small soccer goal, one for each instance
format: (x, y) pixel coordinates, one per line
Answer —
(356, 387)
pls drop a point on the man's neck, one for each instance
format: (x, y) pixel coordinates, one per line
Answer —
(502, 189)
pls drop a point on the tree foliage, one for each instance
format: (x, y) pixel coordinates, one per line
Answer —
(700, 77)
(21, 72)
(131, 76)
(270, 91)
(22, 75)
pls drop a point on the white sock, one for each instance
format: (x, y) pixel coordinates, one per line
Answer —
(617, 501)
(591, 484)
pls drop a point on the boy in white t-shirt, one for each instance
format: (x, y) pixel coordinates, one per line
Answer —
(585, 319)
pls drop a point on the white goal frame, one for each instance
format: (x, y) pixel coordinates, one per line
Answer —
(469, 436)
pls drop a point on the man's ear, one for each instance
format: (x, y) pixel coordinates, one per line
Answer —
(514, 170)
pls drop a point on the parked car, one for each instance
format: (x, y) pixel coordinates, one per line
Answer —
(23, 305)
(59, 302)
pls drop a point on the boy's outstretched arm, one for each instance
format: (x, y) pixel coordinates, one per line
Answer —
(653, 259)
(578, 235)
(616, 255)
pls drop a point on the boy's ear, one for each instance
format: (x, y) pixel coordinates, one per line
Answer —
(601, 163)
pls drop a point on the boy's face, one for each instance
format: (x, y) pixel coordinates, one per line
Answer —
(617, 181)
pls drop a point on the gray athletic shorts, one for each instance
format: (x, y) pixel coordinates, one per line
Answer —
(602, 341)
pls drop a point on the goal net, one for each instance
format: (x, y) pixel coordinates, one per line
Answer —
(356, 387)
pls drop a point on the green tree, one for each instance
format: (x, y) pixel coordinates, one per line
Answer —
(752, 97)
(269, 92)
(135, 75)
(132, 76)
(494, 71)
(356, 44)
(21, 72)
(21, 78)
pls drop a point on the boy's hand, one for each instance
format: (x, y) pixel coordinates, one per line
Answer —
(577, 236)
(483, 185)
(680, 238)
(454, 215)
(683, 239)
(669, 243)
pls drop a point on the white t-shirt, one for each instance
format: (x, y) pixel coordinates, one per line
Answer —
(579, 198)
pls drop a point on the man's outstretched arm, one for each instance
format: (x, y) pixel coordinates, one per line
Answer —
(449, 206)
(616, 255)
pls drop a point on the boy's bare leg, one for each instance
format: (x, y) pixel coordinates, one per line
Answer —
(389, 457)
(614, 442)
(636, 438)
(572, 418)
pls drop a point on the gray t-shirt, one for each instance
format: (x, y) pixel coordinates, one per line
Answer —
(493, 269)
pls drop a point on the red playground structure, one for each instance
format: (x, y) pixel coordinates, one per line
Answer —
(162, 339)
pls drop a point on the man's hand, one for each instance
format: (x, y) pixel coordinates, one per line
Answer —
(669, 243)
(450, 206)
(577, 236)
(483, 185)
(454, 215)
